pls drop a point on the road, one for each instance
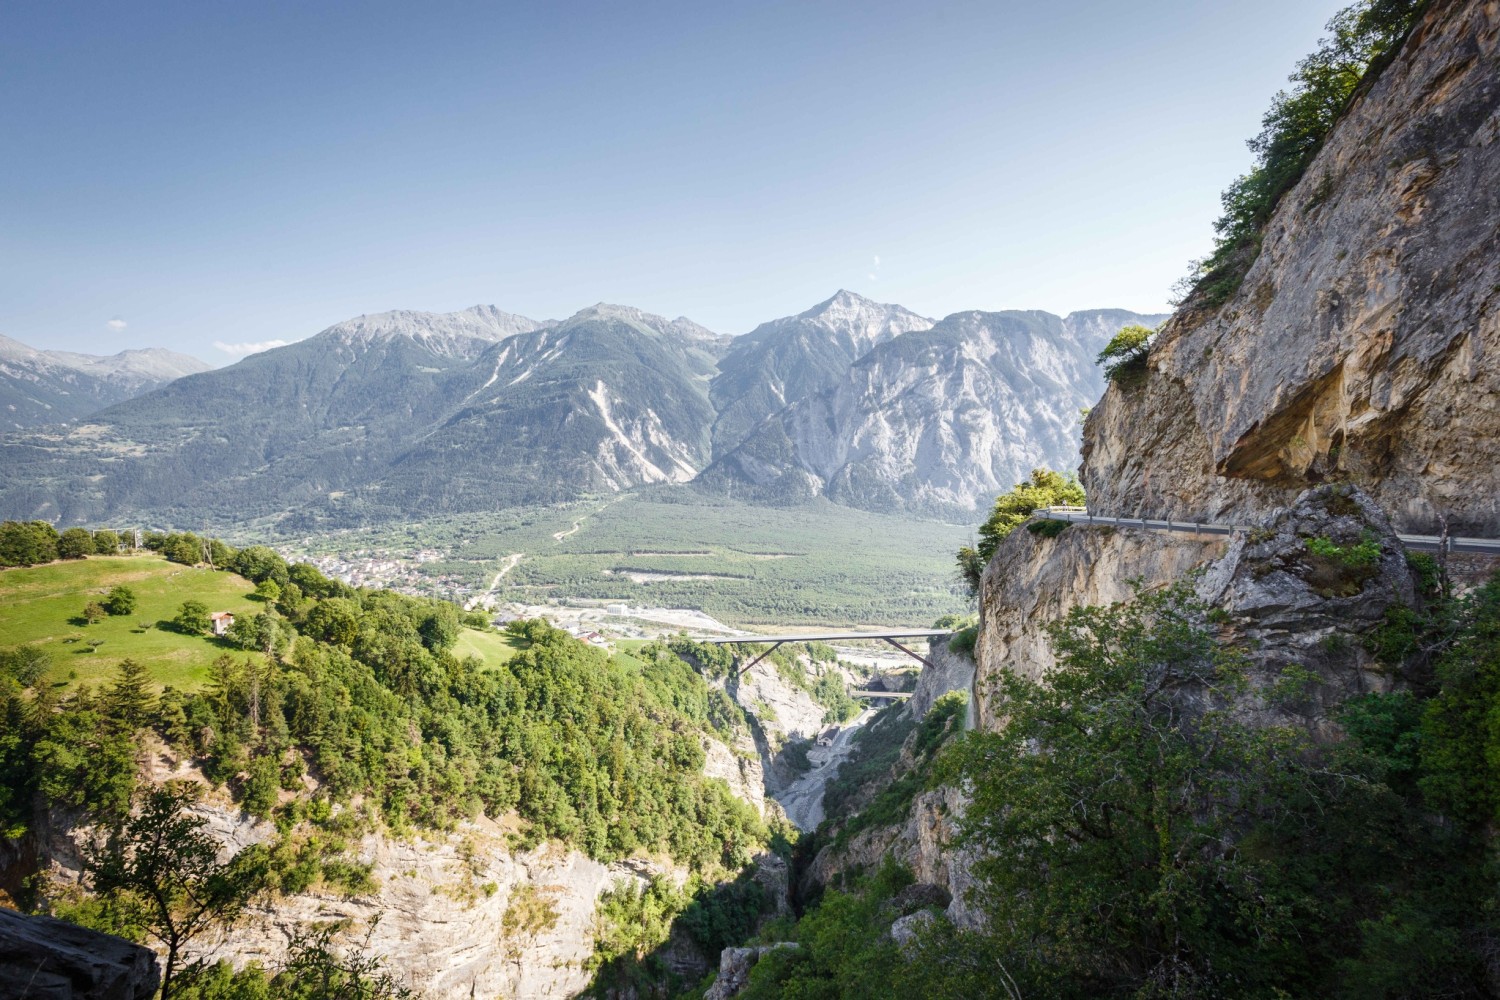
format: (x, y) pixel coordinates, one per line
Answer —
(1423, 543)
(803, 799)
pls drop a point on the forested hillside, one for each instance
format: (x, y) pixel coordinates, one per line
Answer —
(334, 712)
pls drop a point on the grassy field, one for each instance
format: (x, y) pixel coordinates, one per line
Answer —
(491, 647)
(43, 606)
(815, 563)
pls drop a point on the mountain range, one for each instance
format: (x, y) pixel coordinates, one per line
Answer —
(405, 413)
(48, 387)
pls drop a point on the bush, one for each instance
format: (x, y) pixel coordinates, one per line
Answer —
(1124, 357)
(1045, 488)
(75, 543)
(27, 543)
(192, 618)
(120, 601)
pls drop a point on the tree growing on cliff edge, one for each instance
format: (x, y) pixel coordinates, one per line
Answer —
(159, 872)
(1045, 488)
(1124, 357)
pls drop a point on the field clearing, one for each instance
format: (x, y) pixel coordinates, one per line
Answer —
(494, 648)
(43, 606)
(818, 563)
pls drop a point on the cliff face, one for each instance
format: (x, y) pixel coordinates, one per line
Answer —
(1033, 581)
(1364, 344)
(1350, 389)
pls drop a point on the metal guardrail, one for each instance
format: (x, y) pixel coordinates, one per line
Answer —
(1420, 543)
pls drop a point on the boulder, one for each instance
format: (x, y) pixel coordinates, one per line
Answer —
(46, 959)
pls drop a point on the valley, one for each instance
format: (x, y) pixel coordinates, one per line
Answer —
(674, 547)
(445, 655)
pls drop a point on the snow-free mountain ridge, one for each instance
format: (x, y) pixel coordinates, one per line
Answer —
(44, 387)
(399, 412)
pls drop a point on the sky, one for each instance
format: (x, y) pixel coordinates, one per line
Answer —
(212, 177)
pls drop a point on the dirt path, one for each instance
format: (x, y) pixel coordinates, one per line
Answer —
(558, 536)
(803, 799)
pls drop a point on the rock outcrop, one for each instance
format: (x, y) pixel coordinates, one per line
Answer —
(734, 969)
(1033, 581)
(949, 671)
(46, 959)
(1364, 343)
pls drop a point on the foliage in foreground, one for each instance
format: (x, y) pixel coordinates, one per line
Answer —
(1140, 840)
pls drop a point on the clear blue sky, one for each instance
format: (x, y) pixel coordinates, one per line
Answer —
(180, 174)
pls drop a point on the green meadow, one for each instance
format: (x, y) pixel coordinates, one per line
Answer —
(43, 606)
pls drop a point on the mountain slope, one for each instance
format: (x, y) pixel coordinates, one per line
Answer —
(935, 420)
(45, 387)
(385, 414)
(787, 359)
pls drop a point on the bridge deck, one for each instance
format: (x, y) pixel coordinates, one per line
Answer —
(910, 633)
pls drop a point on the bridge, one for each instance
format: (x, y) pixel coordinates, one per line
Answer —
(1420, 543)
(887, 635)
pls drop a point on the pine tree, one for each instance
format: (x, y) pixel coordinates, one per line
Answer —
(130, 701)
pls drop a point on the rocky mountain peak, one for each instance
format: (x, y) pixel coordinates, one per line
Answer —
(443, 333)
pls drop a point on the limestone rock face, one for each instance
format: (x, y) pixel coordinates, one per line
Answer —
(1033, 581)
(734, 969)
(923, 841)
(46, 959)
(950, 671)
(1364, 343)
(905, 929)
(1288, 605)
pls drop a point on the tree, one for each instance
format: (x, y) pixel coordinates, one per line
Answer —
(257, 563)
(160, 867)
(120, 600)
(186, 549)
(192, 618)
(268, 590)
(1124, 357)
(316, 970)
(440, 629)
(106, 542)
(94, 612)
(26, 665)
(75, 543)
(1045, 488)
(335, 620)
(129, 700)
(27, 543)
(1135, 832)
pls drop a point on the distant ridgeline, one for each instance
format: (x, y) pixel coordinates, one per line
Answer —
(379, 417)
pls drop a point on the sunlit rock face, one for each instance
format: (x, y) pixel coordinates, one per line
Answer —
(1364, 344)
(936, 421)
